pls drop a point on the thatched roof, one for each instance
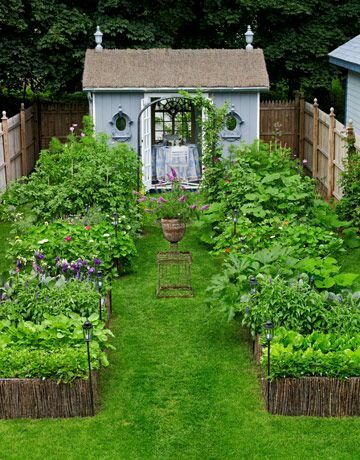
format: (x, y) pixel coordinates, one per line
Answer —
(168, 68)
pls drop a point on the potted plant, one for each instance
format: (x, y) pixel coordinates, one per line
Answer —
(173, 208)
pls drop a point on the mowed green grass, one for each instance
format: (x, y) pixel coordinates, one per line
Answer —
(181, 385)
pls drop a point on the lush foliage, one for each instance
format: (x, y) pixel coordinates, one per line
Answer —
(52, 349)
(320, 354)
(42, 48)
(57, 247)
(73, 221)
(279, 240)
(349, 205)
(31, 297)
(85, 171)
(297, 306)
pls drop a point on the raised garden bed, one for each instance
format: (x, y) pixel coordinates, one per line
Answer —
(316, 396)
(36, 398)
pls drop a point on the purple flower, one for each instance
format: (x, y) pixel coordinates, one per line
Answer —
(64, 266)
(304, 162)
(134, 192)
(193, 207)
(205, 207)
(172, 175)
(91, 270)
(141, 199)
(47, 298)
(19, 264)
(97, 261)
(39, 255)
(161, 200)
(152, 199)
(182, 198)
(57, 259)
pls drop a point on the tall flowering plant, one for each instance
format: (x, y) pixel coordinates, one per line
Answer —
(178, 203)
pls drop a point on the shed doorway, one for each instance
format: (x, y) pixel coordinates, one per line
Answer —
(169, 139)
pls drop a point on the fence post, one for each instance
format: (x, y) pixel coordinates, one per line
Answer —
(36, 129)
(331, 154)
(301, 126)
(315, 139)
(5, 128)
(24, 162)
(350, 135)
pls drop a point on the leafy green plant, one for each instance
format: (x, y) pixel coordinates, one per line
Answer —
(319, 354)
(298, 307)
(52, 349)
(32, 297)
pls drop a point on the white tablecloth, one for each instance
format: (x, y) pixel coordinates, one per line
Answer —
(184, 159)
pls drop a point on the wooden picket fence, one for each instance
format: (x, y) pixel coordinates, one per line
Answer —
(19, 144)
(26, 133)
(315, 137)
(324, 147)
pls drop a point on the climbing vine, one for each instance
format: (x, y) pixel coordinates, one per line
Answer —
(212, 123)
(349, 205)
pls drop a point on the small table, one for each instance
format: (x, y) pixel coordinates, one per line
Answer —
(174, 274)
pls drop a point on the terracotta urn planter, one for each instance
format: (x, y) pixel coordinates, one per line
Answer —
(173, 229)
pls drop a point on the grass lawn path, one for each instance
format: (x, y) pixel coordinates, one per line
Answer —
(181, 385)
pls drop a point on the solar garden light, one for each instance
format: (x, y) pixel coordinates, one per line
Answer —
(235, 219)
(253, 283)
(88, 334)
(116, 226)
(269, 327)
(99, 283)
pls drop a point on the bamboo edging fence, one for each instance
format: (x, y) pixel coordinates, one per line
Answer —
(37, 398)
(311, 396)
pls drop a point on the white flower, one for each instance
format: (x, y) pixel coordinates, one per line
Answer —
(272, 236)
(106, 235)
(280, 228)
(43, 241)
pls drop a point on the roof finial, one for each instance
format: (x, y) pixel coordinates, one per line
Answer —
(249, 35)
(98, 39)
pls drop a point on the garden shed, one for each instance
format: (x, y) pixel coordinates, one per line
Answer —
(134, 98)
(347, 56)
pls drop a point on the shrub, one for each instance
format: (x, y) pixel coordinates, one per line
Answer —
(68, 177)
(298, 307)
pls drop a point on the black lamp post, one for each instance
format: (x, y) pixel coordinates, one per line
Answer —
(269, 327)
(235, 219)
(116, 226)
(99, 283)
(88, 333)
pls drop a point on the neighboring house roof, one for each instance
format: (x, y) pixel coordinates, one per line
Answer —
(347, 55)
(169, 68)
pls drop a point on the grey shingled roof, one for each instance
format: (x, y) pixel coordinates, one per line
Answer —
(347, 55)
(168, 68)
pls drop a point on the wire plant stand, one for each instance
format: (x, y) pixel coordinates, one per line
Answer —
(174, 273)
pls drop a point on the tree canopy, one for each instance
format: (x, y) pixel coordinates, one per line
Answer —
(44, 42)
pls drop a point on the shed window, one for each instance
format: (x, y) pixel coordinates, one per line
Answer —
(121, 123)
